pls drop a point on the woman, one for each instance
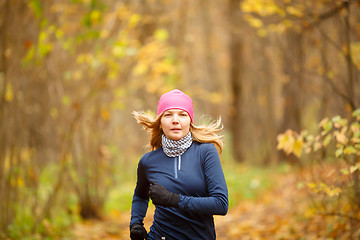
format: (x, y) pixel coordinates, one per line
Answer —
(182, 175)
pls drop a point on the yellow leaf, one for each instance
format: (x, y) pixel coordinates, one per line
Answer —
(333, 191)
(163, 67)
(216, 97)
(118, 51)
(355, 50)
(105, 114)
(9, 93)
(286, 141)
(161, 34)
(104, 33)
(140, 69)
(294, 11)
(330, 74)
(95, 16)
(297, 147)
(312, 185)
(349, 150)
(17, 182)
(134, 20)
(89, 58)
(262, 32)
(78, 75)
(310, 212)
(80, 58)
(117, 105)
(255, 22)
(354, 168)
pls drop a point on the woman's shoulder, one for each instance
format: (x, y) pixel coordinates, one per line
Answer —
(151, 154)
(204, 146)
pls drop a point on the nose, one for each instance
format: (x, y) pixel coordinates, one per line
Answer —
(175, 119)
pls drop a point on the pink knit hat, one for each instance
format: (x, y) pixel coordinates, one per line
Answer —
(175, 99)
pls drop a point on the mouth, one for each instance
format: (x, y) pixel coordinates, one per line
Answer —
(175, 129)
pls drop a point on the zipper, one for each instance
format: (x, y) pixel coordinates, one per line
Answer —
(177, 165)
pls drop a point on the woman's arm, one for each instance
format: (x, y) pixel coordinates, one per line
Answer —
(140, 200)
(217, 201)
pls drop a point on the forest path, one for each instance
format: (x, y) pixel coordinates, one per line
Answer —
(274, 215)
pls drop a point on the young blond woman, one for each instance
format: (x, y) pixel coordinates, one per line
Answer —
(182, 175)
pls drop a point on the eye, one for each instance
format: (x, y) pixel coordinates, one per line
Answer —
(184, 114)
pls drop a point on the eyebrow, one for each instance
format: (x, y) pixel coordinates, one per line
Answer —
(175, 110)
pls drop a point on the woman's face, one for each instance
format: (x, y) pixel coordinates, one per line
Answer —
(175, 123)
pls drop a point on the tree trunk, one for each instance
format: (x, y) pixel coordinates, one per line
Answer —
(235, 48)
(294, 66)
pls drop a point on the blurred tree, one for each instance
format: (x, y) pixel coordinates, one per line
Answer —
(236, 59)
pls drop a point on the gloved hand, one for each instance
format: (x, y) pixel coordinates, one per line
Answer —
(138, 232)
(161, 196)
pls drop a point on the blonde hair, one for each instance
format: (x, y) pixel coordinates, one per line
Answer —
(203, 134)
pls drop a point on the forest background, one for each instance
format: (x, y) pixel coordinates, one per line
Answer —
(72, 72)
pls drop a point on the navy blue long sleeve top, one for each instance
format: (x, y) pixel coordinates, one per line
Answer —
(198, 178)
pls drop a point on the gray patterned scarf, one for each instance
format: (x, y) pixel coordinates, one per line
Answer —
(174, 148)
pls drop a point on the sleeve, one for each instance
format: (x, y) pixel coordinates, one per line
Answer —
(140, 199)
(217, 201)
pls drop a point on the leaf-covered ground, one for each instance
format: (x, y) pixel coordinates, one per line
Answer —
(279, 213)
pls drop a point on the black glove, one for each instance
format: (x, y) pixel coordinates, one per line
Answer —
(138, 232)
(161, 196)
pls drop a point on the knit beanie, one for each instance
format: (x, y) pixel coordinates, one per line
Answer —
(175, 99)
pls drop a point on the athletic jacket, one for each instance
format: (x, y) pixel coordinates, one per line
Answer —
(197, 177)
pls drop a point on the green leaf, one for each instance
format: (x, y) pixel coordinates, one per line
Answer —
(349, 150)
(66, 100)
(339, 122)
(338, 152)
(344, 171)
(323, 122)
(356, 113)
(300, 185)
(327, 127)
(327, 140)
(336, 118)
(29, 56)
(355, 128)
(35, 5)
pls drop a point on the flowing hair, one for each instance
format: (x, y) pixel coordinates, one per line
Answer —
(204, 134)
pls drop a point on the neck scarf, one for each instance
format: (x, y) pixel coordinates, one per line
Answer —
(174, 148)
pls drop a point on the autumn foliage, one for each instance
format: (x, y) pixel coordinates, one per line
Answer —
(336, 190)
(72, 71)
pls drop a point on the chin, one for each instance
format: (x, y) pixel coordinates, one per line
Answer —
(175, 138)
